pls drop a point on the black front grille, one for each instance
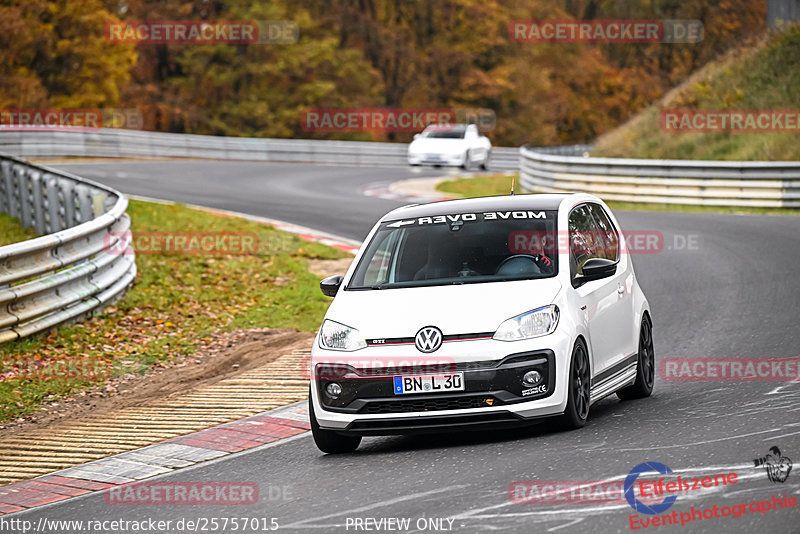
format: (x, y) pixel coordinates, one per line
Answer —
(428, 405)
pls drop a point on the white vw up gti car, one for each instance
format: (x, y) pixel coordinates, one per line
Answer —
(480, 313)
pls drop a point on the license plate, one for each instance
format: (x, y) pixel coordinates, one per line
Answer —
(428, 383)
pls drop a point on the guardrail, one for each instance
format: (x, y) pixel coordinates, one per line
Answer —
(714, 183)
(73, 270)
(118, 143)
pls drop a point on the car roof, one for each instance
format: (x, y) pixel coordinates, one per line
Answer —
(479, 204)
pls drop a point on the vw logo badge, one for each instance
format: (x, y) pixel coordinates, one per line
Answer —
(428, 339)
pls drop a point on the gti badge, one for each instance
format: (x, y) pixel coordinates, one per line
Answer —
(428, 339)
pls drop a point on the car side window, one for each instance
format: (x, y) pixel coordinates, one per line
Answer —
(606, 236)
(581, 242)
(378, 270)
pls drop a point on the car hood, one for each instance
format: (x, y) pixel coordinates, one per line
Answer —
(439, 146)
(455, 309)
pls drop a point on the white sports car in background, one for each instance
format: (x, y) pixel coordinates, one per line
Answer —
(450, 144)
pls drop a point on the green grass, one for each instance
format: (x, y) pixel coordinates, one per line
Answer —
(758, 76)
(480, 186)
(500, 184)
(12, 232)
(176, 302)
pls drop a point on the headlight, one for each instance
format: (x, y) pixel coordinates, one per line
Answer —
(535, 323)
(336, 336)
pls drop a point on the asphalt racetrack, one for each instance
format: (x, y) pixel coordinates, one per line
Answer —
(723, 286)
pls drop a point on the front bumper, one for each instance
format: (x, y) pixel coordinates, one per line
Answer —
(486, 384)
(493, 394)
(439, 423)
(435, 159)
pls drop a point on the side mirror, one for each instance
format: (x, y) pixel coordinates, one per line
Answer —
(330, 286)
(595, 269)
(416, 136)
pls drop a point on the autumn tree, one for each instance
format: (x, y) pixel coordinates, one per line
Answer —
(358, 53)
(53, 54)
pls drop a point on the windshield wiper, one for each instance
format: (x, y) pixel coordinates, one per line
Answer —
(365, 288)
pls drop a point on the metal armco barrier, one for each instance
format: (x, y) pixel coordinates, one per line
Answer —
(77, 266)
(711, 183)
(117, 143)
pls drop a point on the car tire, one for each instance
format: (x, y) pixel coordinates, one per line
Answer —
(328, 441)
(578, 389)
(645, 366)
(485, 164)
(467, 161)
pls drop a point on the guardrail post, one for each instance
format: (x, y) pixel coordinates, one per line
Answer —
(25, 190)
(14, 193)
(84, 199)
(38, 202)
(53, 205)
(5, 186)
(68, 202)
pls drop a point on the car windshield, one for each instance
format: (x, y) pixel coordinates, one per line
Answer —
(459, 249)
(445, 133)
